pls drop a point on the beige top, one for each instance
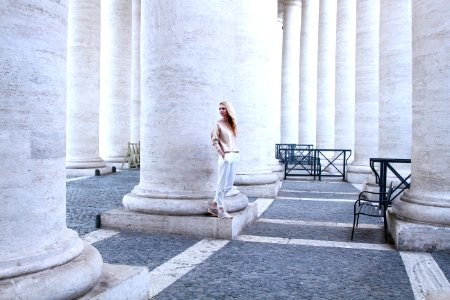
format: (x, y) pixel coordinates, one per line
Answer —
(222, 137)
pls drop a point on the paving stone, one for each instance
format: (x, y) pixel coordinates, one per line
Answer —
(88, 197)
(316, 195)
(322, 211)
(243, 270)
(138, 249)
(319, 186)
(247, 270)
(338, 234)
(443, 260)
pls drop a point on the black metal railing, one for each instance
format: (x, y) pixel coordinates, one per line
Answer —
(300, 162)
(333, 162)
(385, 164)
(303, 160)
(280, 150)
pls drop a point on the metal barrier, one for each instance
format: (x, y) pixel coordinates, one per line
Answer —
(306, 161)
(300, 162)
(329, 163)
(280, 150)
(381, 179)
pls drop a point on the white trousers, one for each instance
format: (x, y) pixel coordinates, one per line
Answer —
(227, 168)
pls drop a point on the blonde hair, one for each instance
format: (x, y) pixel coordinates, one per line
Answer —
(231, 115)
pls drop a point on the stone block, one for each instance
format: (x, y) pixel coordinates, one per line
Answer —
(120, 282)
(197, 226)
(418, 236)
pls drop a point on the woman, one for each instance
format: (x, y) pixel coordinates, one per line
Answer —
(223, 137)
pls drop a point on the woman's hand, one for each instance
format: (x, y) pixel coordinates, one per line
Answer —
(221, 153)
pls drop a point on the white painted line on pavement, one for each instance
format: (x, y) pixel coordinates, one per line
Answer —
(314, 223)
(316, 199)
(175, 268)
(262, 205)
(426, 278)
(315, 243)
(319, 192)
(98, 235)
(77, 178)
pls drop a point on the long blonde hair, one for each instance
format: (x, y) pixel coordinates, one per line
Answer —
(231, 115)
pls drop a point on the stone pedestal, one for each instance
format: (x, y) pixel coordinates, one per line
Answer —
(421, 218)
(292, 12)
(197, 226)
(119, 282)
(83, 89)
(366, 89)
(414, 236)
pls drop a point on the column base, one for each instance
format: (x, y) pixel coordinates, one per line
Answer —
(278, 169)
(358, 173)
(260, 185)
(88, 172)
(261, 191)
(66, 281)
(418, 236)
(179, 204)
(196, 226)
(120, 282)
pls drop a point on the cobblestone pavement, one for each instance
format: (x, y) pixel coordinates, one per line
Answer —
(299, 248)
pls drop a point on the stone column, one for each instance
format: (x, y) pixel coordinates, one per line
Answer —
(344, 137)
(115, 76)
(83, 89)
(36, 247)
(292, 12)
(187, 70)
(275, 104)
(422, 215)
(326, 74)
(252, 95)
(135, 72)
(395, 79)
(308, 72)
(395, 87)
(366, 89)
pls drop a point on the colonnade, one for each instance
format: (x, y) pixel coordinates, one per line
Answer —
(389, 69)
(190, 55)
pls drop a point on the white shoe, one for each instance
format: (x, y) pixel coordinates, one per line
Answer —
(224, 215)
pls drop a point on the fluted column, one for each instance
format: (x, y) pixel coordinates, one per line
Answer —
(326, 74)
(423, 212)
(135, 72)
(308, 72)
(83, 89)
(36, 247)
(186, 75)
(366, 89)
(292, 12)
(115, 77)
(252, 72)
(344, 137)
